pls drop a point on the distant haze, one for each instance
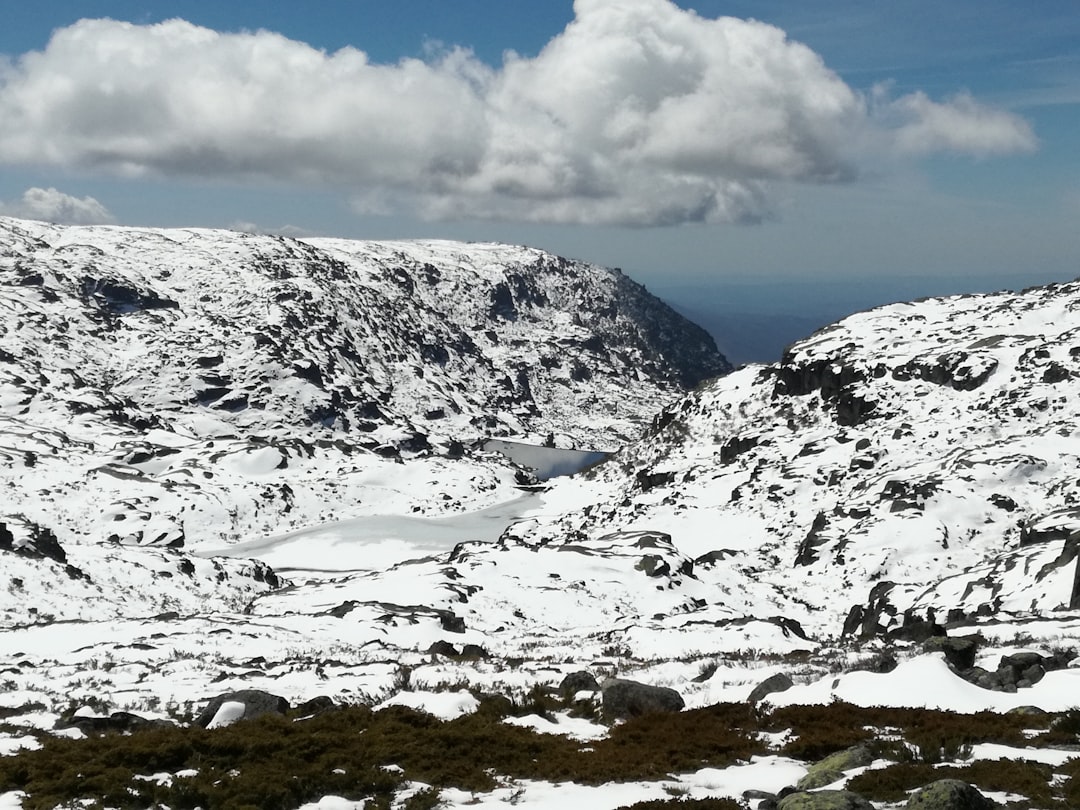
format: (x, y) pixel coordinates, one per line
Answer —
(753, 322)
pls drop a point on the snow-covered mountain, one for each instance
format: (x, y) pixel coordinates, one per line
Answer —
(918, 461)
(195, 388)
(918, 458)
(914, 461)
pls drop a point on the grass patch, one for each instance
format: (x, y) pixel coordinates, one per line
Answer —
(822, 730)
(276, 762)
(280, 762)
(891, 784)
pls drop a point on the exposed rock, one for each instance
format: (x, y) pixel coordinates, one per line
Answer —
(949, 794)
(959, 650)
(832, 767)
(444, 648)
(316, 706)
(815, 779)
(117, 722)
(824, 800)
(779, 682)
(1017, 671)
(28, 539)
(254, 703)
(622, 699)
(581, 681)
(1030, 711)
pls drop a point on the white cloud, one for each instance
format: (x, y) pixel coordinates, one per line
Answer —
(293, 231)
(921, 126)
(50, 205)
(638, 113)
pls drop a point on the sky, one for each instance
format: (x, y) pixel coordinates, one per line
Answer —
(778, 160)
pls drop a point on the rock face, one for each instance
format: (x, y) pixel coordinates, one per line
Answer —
(438, 340)
(245, 704)
(621, 699)
(949, 794)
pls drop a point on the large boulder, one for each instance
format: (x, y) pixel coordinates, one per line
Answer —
(622, 699)
(774, 683)
(959, 650)
(245, 704)
(824, 800)
(949, 794)
(828, 770)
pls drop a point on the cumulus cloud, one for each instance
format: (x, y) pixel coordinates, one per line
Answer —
(51, 205)
(637, 113)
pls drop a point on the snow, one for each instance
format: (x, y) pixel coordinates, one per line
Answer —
(577, 728)
(377, 542)
(228, 713)
(927, 682)
(444, 705)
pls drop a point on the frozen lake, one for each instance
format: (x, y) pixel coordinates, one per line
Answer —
(376, 542)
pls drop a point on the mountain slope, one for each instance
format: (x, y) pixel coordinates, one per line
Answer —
(918, 457)
(426, 339)
(186, 389)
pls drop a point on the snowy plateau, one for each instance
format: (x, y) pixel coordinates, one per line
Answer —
(236, 462)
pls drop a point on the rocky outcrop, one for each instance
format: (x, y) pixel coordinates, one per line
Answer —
(621, 699)
(958, 651)
(832, 768)
(115, 723)
(949, 794)
(774, 683)
(581, 681)
(1017, 671)
(824, 800)
(28, 539)
(245, 704)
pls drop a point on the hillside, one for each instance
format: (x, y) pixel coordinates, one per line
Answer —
(888, 516)
(194, 388)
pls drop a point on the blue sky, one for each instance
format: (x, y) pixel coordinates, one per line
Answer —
(910, 140)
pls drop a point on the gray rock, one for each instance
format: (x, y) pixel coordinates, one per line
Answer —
(316, 706)
(1033, 711)
(1021, 661)
(622, 699)
(815, 779)
(117, 722)
(575, 682)
(959, 650)
(1033, 674)
(824, 800)
(949, 794)
(444, 648)
(775, 683)
(828, 770)
(256, 703)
